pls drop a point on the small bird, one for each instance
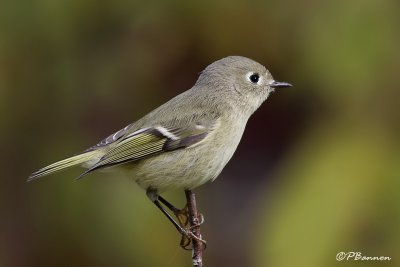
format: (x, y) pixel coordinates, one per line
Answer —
(187, 141)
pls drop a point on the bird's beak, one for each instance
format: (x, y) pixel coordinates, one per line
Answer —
(275, 84)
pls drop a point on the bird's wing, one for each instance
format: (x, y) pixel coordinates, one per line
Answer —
(149, 141)
(112, 138)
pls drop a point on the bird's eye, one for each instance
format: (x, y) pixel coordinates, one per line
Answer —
(254, 78)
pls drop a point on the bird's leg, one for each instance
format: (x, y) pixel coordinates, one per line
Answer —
(157, 200)
(183, 218)
(181, 214)
(182, 228)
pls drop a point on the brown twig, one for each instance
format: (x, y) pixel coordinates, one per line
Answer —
(197, 254)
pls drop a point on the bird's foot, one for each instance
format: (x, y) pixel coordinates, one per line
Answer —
(188, 236)
(183, 216)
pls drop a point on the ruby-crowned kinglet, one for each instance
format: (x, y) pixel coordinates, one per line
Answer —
(188, 140)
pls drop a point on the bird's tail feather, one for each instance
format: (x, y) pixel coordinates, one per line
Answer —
(65, 164)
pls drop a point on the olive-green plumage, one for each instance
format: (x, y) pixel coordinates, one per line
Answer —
(188, 140)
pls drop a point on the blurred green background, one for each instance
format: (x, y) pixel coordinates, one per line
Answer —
(318, 168)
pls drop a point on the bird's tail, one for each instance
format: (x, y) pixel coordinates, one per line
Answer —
(86, 157)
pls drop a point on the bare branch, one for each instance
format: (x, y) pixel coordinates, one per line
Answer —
(194, 215)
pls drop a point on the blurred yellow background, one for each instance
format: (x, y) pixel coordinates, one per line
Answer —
(317, 171)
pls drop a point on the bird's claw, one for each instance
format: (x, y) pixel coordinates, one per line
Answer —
(183, 216)
(188, 235)
(188, 238)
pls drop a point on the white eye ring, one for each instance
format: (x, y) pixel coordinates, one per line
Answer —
(254, 78)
